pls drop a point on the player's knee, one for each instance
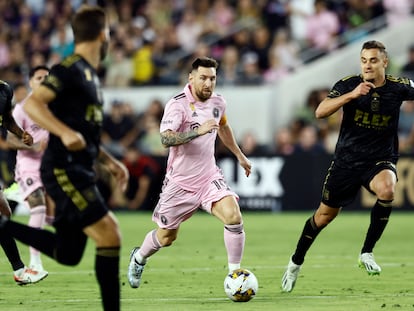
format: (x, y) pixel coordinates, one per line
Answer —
(386, 193)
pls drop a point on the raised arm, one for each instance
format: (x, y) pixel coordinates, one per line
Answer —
(330, 105)
(170, 138)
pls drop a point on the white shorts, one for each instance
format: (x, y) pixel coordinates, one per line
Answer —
(177, 205)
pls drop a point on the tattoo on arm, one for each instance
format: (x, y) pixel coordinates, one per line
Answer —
(170, 138)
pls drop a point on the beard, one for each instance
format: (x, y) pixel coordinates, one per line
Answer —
(203, 95)
(103, 51)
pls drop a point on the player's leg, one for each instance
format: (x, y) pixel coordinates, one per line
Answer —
(50, 210)
(153, 242)
(106, 234)
(22, 275)
(228, 211)
(37, 208)
(383, 185)
(174, 206)
(319, 220)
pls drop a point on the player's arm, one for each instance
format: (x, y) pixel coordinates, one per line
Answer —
(331, 105)
(15, 143)
(12, 126)
(117, 168)
(226, 135)
(171, 138)
(37, 108)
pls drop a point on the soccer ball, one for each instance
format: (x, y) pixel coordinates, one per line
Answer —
(241, 285)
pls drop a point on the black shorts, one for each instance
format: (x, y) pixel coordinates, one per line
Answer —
(341, 185)
(77, 198)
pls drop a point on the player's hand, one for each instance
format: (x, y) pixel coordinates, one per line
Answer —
(73, 141)
(120, 172)
(363, 89)
(246, 164)
(27, 138)
(207, 127)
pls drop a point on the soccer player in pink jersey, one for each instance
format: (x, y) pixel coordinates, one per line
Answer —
(28, 159)
(191, 122)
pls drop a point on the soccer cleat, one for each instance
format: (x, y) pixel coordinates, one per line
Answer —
(290, 276)
(367, 261)
(30, 276)
(135, 270)
(37, 267)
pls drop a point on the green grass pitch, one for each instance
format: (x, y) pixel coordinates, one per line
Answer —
(189, 275)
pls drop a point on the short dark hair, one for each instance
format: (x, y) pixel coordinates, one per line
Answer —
(207, 62)
(88, 22)
(34, 69)
(373, 44)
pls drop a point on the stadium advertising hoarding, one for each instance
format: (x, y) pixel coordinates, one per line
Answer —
(295, 183)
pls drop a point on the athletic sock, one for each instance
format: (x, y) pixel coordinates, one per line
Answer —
(107, 274)
(36, 220)
(380, 214)
(10, 249)
(309, 233)
(234, 239)
(149, 246)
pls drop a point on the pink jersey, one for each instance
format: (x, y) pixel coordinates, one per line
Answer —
(193, 164)
(28, 160)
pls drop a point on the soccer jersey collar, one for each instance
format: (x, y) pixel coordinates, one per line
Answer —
(187, 91)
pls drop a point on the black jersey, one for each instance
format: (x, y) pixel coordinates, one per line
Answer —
(369, 129)
(79, 105)
(6, 95)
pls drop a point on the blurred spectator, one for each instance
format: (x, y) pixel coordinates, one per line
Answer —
(299, 11)
(250, 73)
(150, 140)
(189, 30)
(275, 14)
(142, 61)
(261, 42)
(229, 66)
(248, 13)
(408, 69)
(119, 69)
(116, 129)
(144, 179)
(250, 146)
(4, 50)
(308, 141)
(286, 50)
(282, 142)
(398, 11)
(222, 16)
(322, 29)
(283, 57)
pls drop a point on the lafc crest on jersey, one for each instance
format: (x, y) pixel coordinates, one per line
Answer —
(375, 102)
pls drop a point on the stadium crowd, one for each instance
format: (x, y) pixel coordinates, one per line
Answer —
(152, 43)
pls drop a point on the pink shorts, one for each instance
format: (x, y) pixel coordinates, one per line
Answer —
(177, 205)
(28, 181)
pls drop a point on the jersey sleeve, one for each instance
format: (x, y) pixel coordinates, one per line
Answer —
(172, 118)
(58, 78)
(18, 114)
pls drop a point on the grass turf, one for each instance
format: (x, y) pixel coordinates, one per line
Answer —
(189, 275)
